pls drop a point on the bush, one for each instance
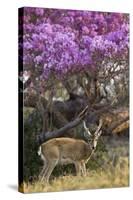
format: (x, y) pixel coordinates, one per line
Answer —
(32, 162)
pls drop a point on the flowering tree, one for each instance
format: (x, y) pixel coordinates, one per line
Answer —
(67, 46)
(69, 41)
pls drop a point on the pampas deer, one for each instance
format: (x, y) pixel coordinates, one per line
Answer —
(68, 150)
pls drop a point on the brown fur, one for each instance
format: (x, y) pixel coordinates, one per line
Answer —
(66, 147)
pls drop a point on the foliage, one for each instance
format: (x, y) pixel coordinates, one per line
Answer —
(61, 42)
(32, 124)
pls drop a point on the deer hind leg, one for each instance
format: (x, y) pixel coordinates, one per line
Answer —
(48, 171)
(43, 172)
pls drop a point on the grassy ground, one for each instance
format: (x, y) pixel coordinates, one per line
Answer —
(114, 172)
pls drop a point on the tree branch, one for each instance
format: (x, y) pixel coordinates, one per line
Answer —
(116, 124)
(61, 132)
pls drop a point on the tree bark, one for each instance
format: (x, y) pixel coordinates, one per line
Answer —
(117, 124)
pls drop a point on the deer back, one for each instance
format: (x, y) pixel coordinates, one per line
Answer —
(66, 150)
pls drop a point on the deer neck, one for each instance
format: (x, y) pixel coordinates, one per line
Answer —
(92, 152)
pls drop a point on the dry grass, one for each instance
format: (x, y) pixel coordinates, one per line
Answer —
(113, 176)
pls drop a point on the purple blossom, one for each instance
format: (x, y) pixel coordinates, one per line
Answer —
(39, 11)
(27, 46)
(66, 41)
(38, 59)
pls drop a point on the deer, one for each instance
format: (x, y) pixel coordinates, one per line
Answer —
(65, 151)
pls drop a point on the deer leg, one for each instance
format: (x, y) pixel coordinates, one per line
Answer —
(50, 168)
(42, 173)
(78, 168)
(83, 168)
(43, 169)
(46, 170)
